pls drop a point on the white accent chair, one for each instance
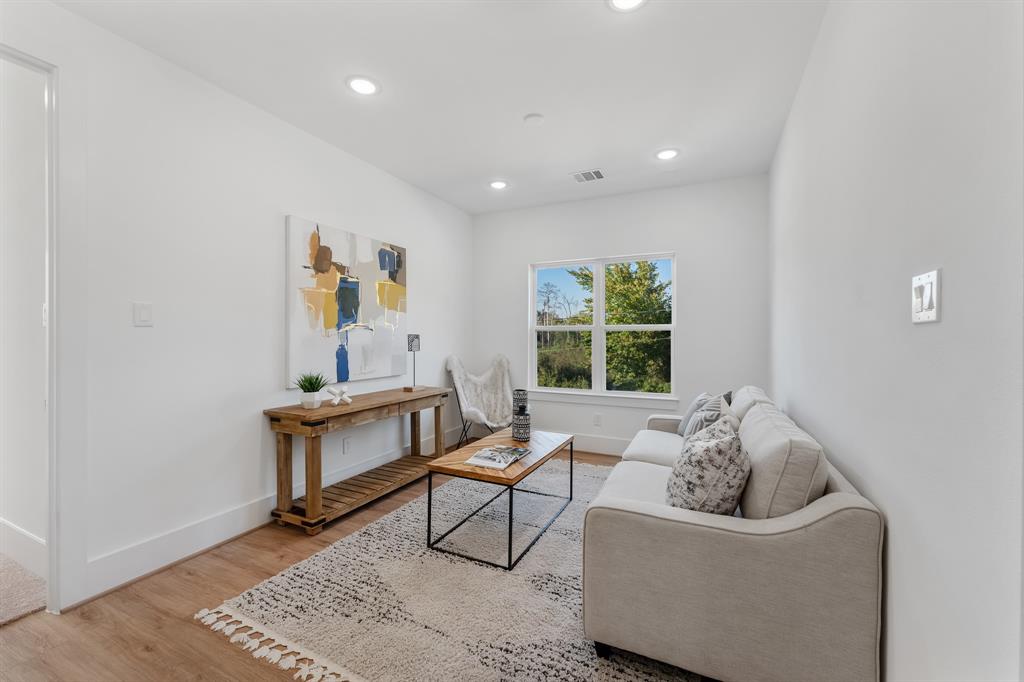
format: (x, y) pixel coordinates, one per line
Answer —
(484, 399)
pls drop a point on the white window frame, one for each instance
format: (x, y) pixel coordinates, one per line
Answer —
(599, 331)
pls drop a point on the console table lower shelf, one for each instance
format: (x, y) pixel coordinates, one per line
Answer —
(350, 494)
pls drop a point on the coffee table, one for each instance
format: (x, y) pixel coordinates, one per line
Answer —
(544, 446)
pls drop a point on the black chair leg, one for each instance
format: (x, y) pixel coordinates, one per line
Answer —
(464, 436)
(602, 650)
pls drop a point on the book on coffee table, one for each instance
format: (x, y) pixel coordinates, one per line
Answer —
(497, 456)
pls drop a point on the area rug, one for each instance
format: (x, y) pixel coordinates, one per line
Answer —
(21, 591)
(378, 606)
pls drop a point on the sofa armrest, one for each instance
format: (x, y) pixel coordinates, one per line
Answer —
(664, 422)
(734, 598)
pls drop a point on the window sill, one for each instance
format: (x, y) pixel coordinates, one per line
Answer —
(653, 401)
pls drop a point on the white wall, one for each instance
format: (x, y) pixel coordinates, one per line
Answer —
(24, 510)
(719, 233)
(175, 192)
(903, 153)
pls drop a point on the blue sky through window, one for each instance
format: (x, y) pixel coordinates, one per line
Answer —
(567, 285)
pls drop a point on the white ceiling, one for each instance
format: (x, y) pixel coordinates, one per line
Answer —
(714, 79)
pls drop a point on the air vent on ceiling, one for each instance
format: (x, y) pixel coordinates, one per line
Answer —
(588, 175)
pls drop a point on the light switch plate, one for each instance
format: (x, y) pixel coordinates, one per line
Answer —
(142, 314)
(924, 298)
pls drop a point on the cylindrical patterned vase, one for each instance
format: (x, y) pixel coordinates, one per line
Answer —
(519, 398)
(521, 425)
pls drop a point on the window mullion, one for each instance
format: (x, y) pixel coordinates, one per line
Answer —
(598, 374)
(531, 332)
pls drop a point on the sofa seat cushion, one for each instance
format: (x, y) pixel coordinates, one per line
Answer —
(746, 397)
(638, 481)
(654, 447)
(788, 469)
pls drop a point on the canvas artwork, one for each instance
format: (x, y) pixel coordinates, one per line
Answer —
(346, 303)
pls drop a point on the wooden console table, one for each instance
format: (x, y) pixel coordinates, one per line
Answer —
(321, 505)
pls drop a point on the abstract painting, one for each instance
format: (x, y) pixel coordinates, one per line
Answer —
(346, 303)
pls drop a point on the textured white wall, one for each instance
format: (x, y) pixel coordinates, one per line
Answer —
(24, 509)
(176, 192)
(719, 233)
(903, 153)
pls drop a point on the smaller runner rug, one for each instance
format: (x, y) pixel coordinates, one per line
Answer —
(378, 606)
(21, 591)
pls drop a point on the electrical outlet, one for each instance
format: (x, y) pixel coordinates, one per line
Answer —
(597, 419)
(142, 314)
(344, 444)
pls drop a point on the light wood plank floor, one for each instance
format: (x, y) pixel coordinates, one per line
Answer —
(145, 630)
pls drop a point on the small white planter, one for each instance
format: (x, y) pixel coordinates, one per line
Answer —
(311, 401)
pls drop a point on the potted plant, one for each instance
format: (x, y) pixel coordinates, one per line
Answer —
(311, 384)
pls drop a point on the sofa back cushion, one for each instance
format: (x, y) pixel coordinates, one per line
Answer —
(746, 397)
(788, 469)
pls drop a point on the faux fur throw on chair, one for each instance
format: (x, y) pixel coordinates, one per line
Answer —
(484, 399)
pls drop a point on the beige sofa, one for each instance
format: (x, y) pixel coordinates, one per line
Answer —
(789, 591)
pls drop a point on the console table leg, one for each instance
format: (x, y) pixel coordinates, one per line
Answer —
(438, 431)
(314, 499)
(284, 472)
(414, 439)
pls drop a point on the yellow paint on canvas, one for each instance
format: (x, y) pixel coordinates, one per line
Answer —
(391, 296)
(330, 310)
(322, 307)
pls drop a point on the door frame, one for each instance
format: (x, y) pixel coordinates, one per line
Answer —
(13, 55)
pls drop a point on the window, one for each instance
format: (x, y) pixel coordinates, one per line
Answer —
(603, 325)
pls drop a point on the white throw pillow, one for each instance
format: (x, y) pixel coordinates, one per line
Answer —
(705, 415)
(711, 472)
(697, 403)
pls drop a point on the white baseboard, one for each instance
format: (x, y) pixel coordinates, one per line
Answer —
(123, 565)
(604, 445)
(27, 549)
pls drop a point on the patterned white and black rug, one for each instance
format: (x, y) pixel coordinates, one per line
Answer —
(379, 606)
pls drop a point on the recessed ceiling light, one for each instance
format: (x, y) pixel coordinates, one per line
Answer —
(498, 184)
(667, 154)
(626, 5)
(533, 120)
(363, 85)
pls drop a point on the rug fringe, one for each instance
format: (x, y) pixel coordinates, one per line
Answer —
(265, 645)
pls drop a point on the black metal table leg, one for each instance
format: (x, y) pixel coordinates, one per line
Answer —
(570, 470)
(510, 489)
(430, 495)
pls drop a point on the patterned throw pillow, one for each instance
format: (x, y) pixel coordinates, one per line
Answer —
(710, 474)
(705, 415)
(697, 403)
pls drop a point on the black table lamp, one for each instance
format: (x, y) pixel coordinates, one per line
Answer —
(414, 347)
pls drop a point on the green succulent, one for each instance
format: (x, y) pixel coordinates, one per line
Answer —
(308, 382)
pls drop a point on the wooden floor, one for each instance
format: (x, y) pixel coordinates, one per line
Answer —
(145, 631)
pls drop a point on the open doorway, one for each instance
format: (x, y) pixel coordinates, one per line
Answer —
(27, 545)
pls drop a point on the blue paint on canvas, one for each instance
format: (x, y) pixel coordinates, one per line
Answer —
(389, 260)
(341, 358)
(347, 296)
